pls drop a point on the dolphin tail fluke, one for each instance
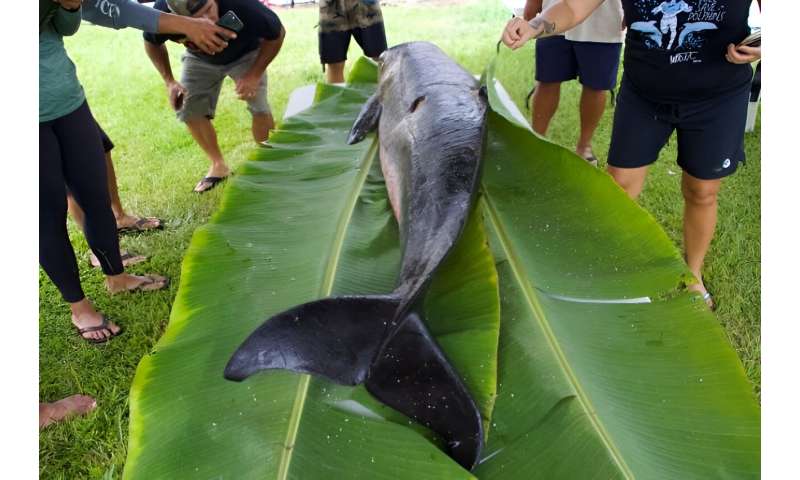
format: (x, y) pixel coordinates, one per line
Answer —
(413, 376)
(341, 338)
(367, 120)
(334, 337)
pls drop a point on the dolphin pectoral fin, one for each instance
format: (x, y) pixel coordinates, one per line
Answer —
(413, 376)
(366, 121)
(336, 338)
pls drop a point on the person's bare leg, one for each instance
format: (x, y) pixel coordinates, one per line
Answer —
(84, 315)
(334, 72)
(66, 407)
(123, 218)
(545, 103)
(699, 222)
(75, 211)
(113, 190)
(592, 106)
(262, 124)
(204, 134)
(630, 179)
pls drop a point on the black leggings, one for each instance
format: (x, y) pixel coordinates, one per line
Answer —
(71, 157)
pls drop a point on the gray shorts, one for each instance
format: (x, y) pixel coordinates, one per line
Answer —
(203, 81)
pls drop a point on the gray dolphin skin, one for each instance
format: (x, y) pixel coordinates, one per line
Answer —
(430, 115)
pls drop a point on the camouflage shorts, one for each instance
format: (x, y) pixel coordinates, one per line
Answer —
(344, 15)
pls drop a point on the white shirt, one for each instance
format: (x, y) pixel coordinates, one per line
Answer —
(604, 25)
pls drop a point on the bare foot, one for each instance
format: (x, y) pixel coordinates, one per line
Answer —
(95, 319)
(126, 282)
(65, 408)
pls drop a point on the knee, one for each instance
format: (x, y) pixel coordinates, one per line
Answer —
(547, 87)
(700, 194)
(628, 181)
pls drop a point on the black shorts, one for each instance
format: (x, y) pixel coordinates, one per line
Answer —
(559, 60)
(710, 132)
(333, 45)
(108, 145)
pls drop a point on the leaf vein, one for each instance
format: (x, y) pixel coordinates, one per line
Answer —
(528, 292)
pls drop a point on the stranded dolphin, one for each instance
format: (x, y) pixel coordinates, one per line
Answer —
(430, 115)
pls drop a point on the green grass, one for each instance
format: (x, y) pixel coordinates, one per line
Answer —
(158, 164)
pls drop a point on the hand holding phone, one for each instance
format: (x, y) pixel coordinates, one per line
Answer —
(204, 35)
(231, 22)
(752, 40)
(176, 93)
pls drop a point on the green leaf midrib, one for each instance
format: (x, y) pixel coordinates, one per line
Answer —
(538, 312)
(325, 290)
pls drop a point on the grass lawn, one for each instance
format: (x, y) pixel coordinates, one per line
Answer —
(158, 164)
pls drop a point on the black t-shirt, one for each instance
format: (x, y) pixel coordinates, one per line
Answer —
(675, 49)
(259, 23)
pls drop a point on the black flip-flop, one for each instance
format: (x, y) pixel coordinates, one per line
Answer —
(103, 326)
(211, 181)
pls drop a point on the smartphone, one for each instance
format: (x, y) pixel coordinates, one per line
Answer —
(231, 22)
(752, 40)
(178, 103)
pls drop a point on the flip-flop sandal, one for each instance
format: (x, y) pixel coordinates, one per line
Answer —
(103, 326)
(142, 225)
(211, 182)
(128, 259)
(590, 158)
(155, 282)
(709, 299)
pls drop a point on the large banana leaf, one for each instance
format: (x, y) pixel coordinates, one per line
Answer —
(608, 368)
(306, 219)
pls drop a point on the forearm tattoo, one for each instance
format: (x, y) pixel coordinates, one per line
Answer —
(547, 27)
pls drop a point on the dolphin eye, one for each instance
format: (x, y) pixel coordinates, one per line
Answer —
(416, 103)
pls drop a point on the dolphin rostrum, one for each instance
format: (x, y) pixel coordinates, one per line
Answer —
(430, 115)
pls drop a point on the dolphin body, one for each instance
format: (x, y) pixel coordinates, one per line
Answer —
(430, 115)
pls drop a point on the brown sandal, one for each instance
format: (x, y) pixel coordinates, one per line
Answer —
(143, 224)
(104, 325)
(153, 282)
(128, 259)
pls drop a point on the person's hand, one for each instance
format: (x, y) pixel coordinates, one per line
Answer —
(742, 54)
(517, 32)
(69, 4)
(247, 86)
(207, 35)
(176, 93)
